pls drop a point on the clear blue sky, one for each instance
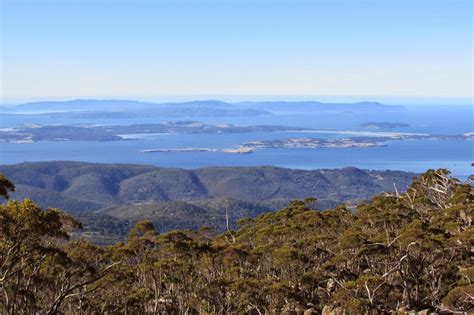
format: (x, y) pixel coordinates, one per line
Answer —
(139, 48)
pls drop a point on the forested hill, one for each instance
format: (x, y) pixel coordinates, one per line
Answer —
(109, 198)
(78, 187)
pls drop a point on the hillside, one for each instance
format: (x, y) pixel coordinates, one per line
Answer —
(179, 198)
(117, 184)
(398, 253)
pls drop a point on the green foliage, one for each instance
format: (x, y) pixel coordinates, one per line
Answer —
(404, 251)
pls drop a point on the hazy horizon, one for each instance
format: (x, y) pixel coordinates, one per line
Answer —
(389, 100)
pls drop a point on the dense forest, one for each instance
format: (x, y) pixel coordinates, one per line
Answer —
(108, 199)
(398, 252)
(78, 187)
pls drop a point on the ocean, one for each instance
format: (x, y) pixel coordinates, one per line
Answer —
(410, 155)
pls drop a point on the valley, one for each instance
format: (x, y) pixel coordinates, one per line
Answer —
(109, 198)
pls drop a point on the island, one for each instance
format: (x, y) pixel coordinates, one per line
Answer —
(383, 125)
(318, 143)
(238, 150)
(35, 133)
(315, 143)
(290, 143)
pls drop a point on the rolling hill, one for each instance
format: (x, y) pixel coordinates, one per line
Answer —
(121, 194)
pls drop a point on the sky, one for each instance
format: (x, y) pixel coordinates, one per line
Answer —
(166, 48)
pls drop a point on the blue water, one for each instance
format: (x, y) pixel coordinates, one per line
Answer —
(416, 155)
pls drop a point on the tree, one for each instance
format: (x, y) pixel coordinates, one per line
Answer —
(405, 251)
(5, 187)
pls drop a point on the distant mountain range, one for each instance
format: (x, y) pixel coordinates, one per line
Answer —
(96, 108)
(110, 197)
